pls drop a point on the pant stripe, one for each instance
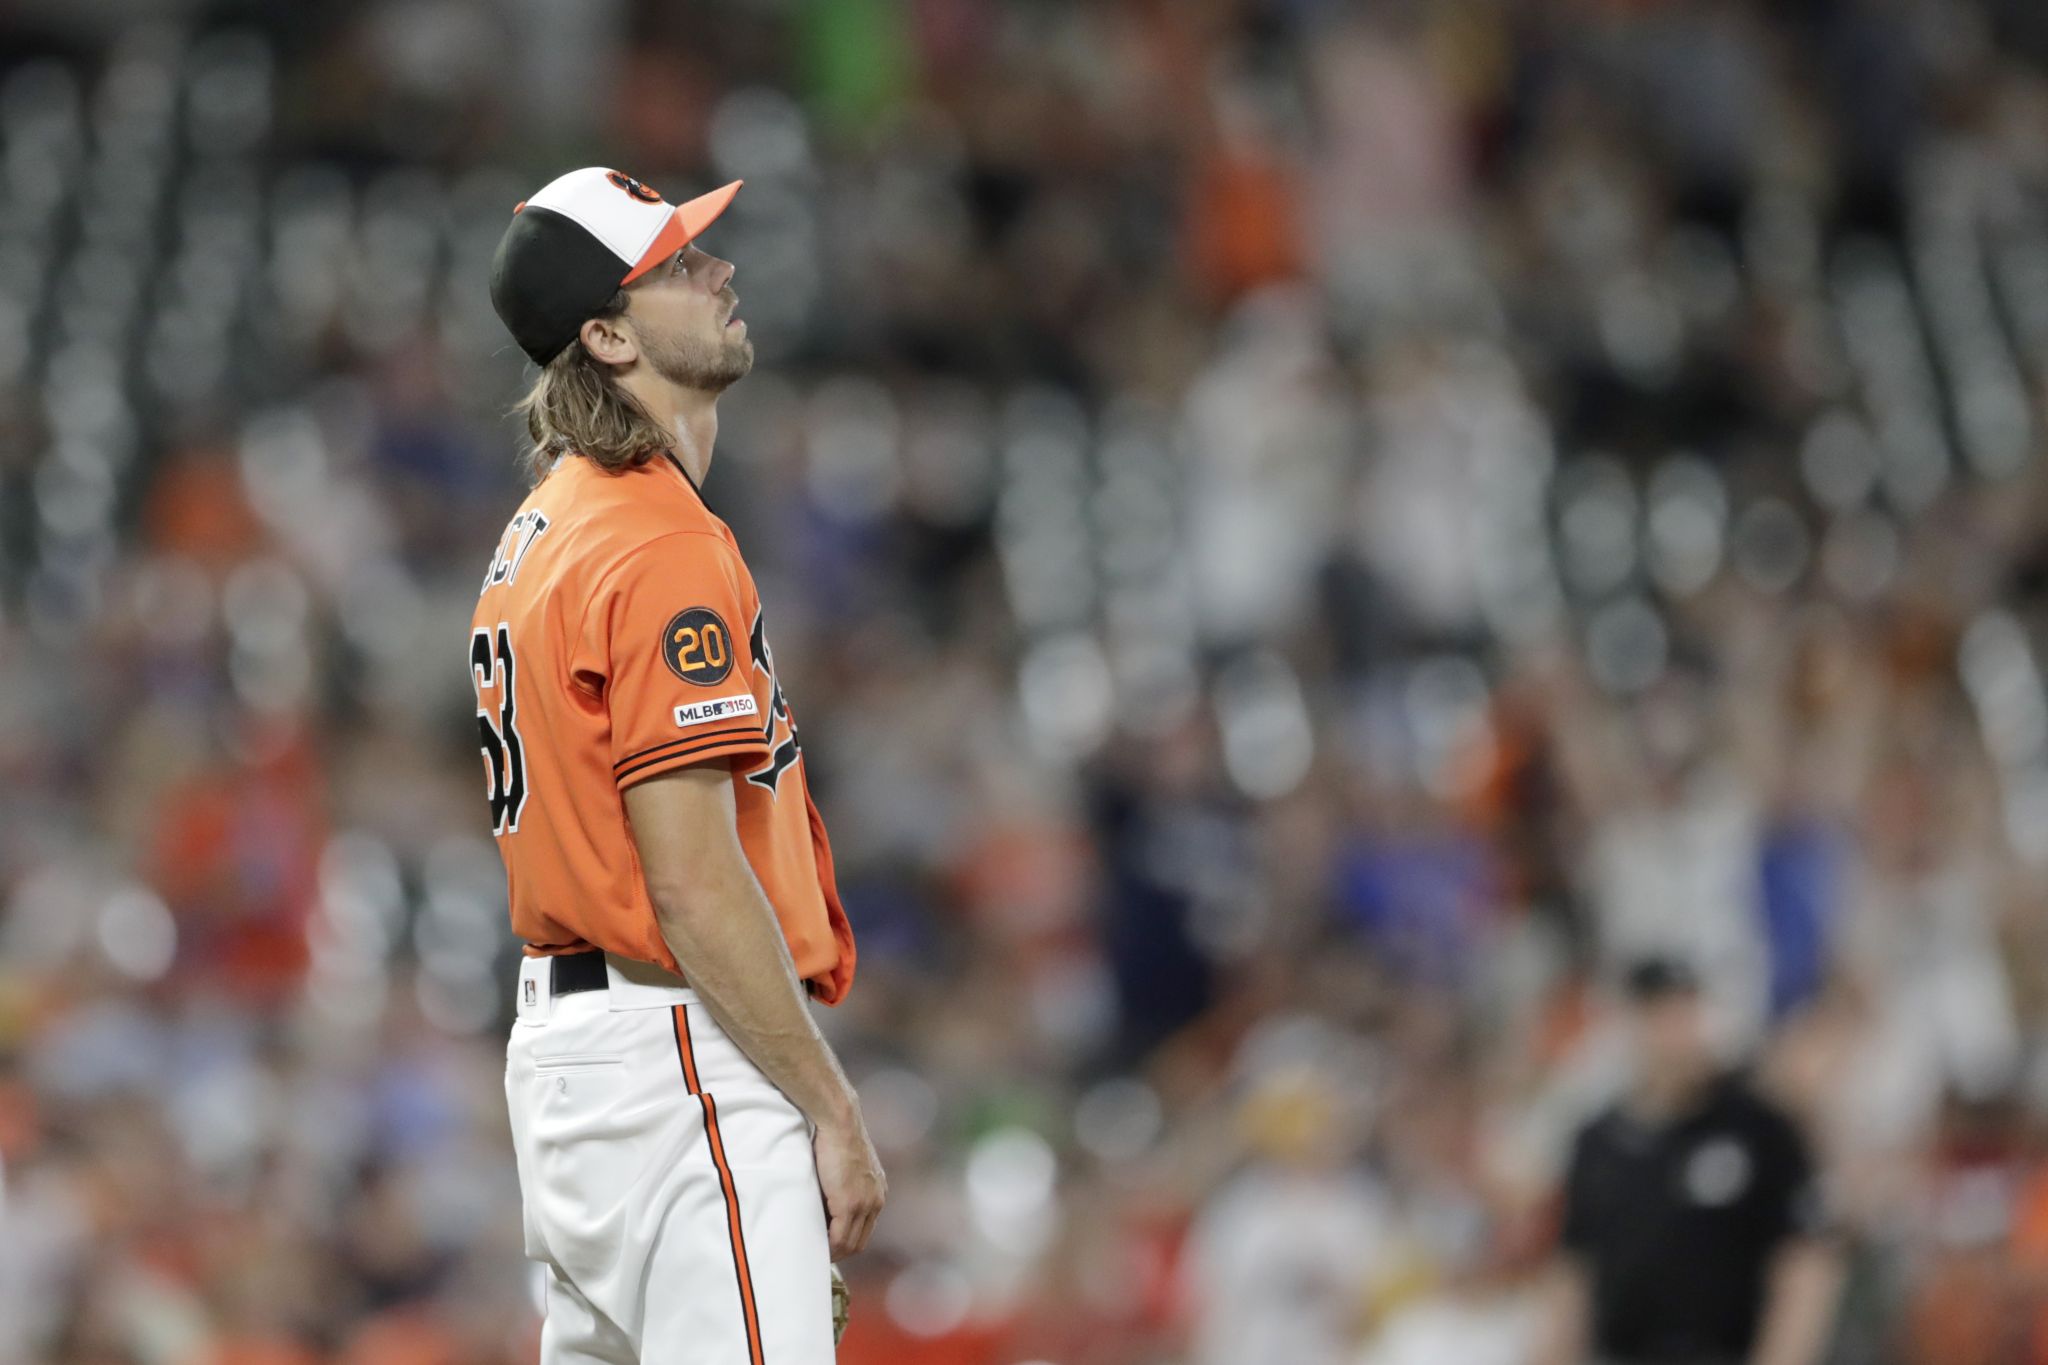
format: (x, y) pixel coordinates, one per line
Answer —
(732, 1194)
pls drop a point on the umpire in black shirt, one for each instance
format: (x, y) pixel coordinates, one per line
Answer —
(1692, 1226)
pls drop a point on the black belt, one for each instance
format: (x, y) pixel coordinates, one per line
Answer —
(582, 971)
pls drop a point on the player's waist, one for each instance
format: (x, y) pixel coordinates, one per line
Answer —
(628, 983)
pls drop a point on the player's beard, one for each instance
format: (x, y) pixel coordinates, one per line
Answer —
(698, 363)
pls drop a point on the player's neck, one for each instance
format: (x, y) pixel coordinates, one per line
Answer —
(691, 417)
(696, 428)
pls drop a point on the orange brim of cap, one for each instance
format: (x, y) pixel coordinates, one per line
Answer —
(683, 225)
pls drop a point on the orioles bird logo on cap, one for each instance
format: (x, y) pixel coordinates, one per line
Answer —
(646, 194)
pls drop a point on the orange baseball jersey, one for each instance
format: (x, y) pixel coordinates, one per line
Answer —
(618, 637)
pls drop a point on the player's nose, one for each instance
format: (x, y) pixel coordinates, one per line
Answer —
(719, 275)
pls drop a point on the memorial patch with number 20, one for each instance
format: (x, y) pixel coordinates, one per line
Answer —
(697, 647)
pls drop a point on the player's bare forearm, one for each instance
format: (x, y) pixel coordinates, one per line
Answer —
(717, 921)
(732, 952)
(719, 924)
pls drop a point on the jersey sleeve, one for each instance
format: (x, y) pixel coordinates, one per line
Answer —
(673, 623)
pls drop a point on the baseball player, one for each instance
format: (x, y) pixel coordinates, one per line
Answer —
(691, 1156)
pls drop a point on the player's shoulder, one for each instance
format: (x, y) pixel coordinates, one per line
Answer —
(652, 492)
(613, 518)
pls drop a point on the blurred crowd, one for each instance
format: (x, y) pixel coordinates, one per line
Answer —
(1303, 535)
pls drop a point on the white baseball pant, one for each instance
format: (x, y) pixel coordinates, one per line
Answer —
(670, 1189)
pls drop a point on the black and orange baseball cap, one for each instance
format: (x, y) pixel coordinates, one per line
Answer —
(574, 243)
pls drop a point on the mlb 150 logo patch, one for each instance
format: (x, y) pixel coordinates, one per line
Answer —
(716, 708)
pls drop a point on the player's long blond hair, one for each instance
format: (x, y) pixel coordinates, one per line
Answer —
(576, 405)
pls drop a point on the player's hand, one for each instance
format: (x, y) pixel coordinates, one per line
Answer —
(850, 1175)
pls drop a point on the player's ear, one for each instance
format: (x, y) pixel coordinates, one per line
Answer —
(609, 340)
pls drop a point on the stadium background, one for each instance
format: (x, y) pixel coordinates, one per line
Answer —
(1300, 533)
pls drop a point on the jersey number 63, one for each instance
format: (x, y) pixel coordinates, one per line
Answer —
(497, 724)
